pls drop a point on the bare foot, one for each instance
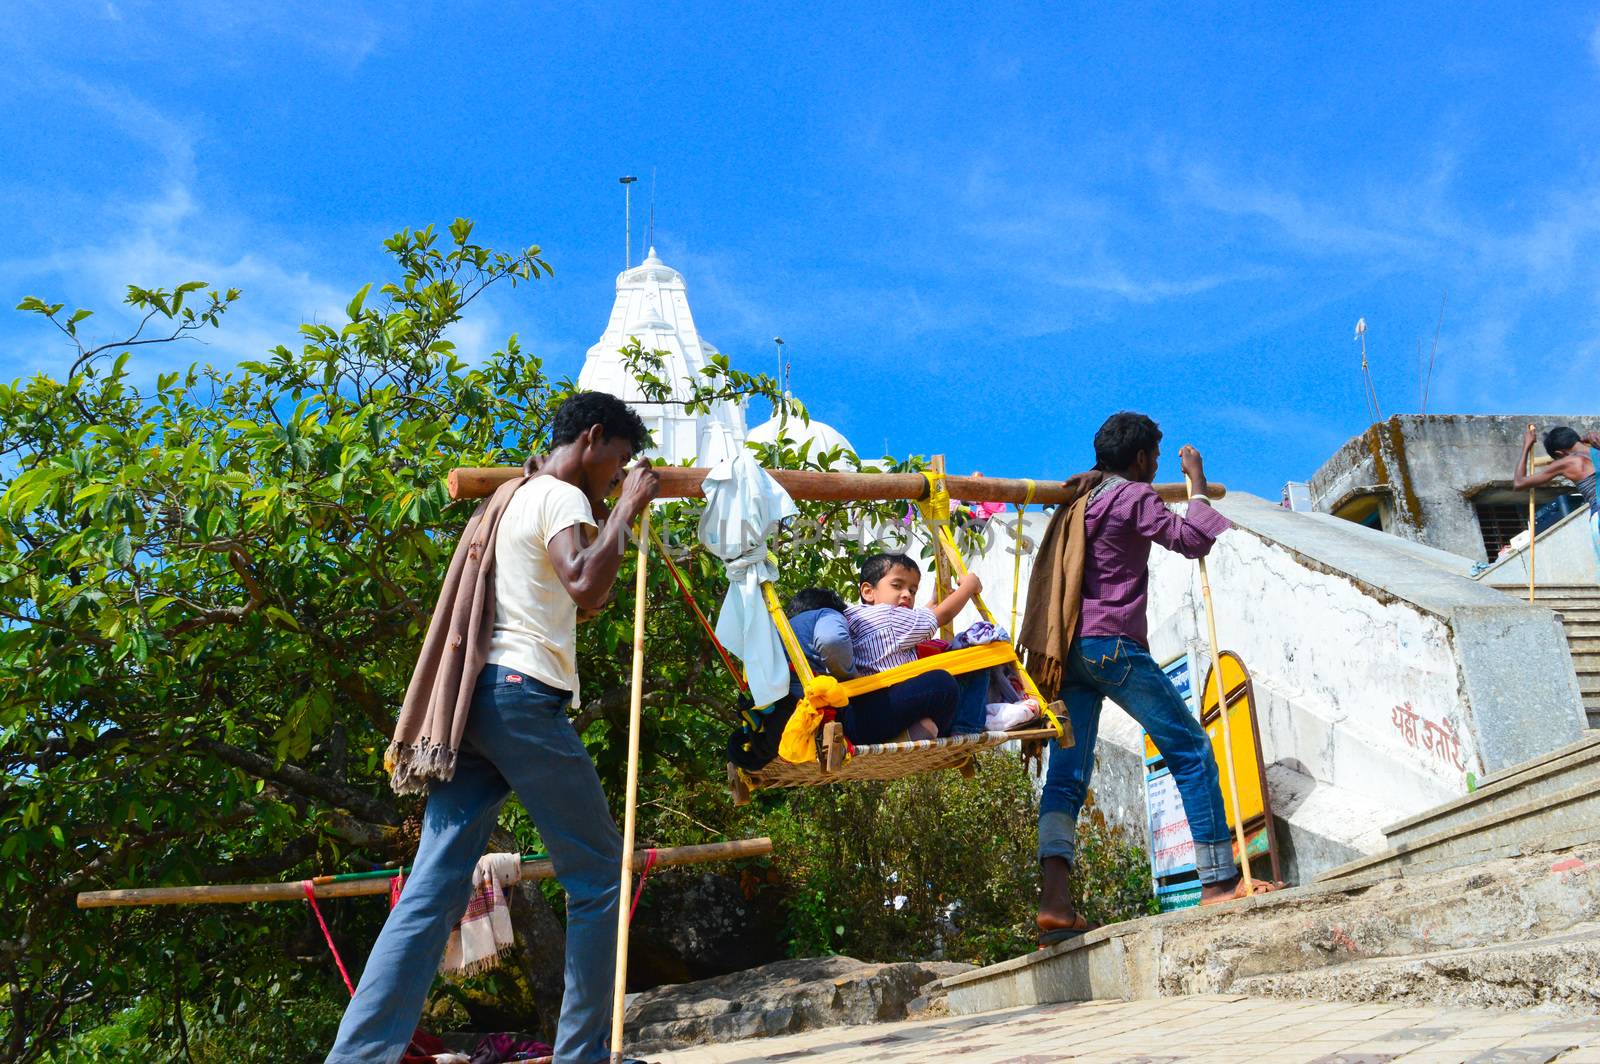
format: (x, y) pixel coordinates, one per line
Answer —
(1225, 890)
(1233, 889)
(923, 729)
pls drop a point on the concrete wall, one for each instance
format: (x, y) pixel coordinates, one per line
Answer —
(1384, 676)
(1564, 554)
(1427, 470)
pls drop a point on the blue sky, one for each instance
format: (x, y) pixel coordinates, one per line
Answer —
(979, 228)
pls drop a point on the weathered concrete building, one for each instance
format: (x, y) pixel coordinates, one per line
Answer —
(1441, 479)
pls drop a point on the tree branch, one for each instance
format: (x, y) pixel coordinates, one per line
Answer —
(298, 779)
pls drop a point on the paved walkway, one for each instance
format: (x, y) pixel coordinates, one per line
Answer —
(1216, 1029)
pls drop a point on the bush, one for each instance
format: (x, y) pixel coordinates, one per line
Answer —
(934, 866)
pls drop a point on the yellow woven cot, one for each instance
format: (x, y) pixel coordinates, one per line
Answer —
(814, 750)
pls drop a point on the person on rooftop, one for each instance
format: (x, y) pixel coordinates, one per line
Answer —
(1567, 450)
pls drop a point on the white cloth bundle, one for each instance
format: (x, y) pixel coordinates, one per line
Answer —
(484, 932)
(744, 507)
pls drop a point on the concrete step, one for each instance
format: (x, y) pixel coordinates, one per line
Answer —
(1554, 973)
(1577, 765)
(1564, 818)
(1536, 763)
(1388, 913)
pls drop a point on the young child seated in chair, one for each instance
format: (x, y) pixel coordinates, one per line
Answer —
(817, 616)
(885, 629)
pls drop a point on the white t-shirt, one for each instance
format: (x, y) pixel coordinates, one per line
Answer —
(535, 620)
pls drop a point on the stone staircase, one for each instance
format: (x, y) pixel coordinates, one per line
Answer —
(1579, 608)
(1491, 898)
(1549, 803)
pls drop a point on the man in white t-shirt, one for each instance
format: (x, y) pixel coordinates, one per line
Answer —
(551, 560)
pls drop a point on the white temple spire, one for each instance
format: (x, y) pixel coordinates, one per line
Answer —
(652, 305)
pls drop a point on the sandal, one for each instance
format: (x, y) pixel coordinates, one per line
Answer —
(1081, 925)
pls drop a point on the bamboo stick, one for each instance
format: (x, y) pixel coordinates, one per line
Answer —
(941, 565)
(1222, 706)
(683, 482)
(340, 887)
(1533, 531)
(619, 992)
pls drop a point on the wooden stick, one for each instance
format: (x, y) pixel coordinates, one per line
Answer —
(619, 992)
(1222, 706)
(1533, 531)
(683, 482)
(240, 893)
(941, 565)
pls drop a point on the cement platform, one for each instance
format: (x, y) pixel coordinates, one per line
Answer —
(1212, 1029)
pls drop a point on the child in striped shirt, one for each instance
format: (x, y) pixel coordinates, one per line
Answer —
(885, 629)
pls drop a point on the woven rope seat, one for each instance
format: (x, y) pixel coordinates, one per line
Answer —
(888, 761)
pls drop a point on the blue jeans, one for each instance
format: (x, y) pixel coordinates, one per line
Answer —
(972, 707)
(517, 738)
(1100, 667)
(879, 716)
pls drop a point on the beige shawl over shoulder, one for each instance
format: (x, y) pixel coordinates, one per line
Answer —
(434, 716)
(1055, 590)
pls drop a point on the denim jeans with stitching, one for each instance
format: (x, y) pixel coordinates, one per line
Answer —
(1099, 667)
(518, 738)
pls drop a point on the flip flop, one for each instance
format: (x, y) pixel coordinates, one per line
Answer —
(1066, 934)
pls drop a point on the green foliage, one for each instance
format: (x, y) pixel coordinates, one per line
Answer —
(1111, 878)
(934, 865)
(211, 593)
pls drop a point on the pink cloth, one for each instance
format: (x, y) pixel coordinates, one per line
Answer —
(1120, 524)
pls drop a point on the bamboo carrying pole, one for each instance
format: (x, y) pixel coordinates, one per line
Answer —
(1222, 706)
(358, 884)
(941, 566)
(635, 712)
(1532, 529)
(683, 482)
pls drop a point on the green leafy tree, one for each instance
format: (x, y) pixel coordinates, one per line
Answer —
(212, 591)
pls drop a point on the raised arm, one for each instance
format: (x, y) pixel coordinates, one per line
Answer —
(965, 592)
(588, 571)
(1190, 536)
(1522, 480)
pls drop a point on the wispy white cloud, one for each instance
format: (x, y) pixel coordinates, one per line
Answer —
(158, 234)
(1115, 281)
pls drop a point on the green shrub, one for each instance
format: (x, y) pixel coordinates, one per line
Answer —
(934, 866)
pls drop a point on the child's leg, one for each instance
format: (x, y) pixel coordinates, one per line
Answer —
(879, 716)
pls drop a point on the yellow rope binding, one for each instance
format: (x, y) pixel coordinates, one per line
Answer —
(938, 504)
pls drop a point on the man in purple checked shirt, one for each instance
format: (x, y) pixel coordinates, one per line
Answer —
(1110, 658)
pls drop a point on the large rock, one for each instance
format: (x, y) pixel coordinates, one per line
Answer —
(693, 924)
(780, 998)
